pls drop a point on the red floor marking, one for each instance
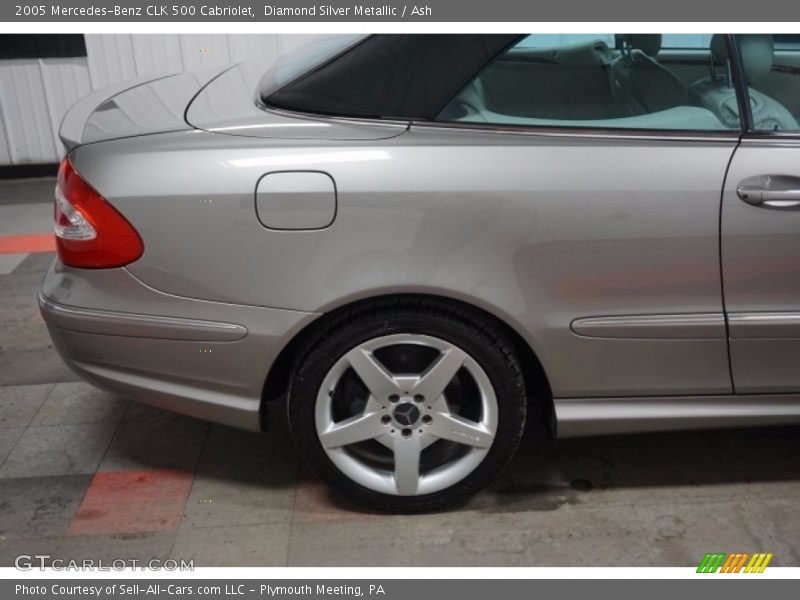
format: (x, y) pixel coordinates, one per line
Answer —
(132, 502)
(31, 242)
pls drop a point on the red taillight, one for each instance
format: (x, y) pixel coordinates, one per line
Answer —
(90, 233)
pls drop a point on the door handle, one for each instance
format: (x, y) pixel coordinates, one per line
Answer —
(771, 191)
(769, 198)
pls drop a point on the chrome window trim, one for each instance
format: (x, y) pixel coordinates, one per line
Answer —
(588, 132)
(592, 132)
(296, 114)
(769, 137)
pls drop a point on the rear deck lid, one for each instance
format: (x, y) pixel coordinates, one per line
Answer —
(150, 104)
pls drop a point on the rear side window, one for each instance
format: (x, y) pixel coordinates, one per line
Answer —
(616, 81)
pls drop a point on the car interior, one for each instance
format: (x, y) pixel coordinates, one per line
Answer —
(634, 84)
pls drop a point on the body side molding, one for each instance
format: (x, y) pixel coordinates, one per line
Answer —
(134, 325)
(764, 325)
(703, 326)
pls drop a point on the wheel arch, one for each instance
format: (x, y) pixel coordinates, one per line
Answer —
(540, 397)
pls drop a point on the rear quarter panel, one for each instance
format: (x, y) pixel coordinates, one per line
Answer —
(538, 230)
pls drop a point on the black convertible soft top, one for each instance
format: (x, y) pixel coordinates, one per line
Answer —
(391, 76)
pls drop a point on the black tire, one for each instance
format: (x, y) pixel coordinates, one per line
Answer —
(468, 329)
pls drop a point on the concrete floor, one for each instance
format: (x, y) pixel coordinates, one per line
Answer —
(85, 474)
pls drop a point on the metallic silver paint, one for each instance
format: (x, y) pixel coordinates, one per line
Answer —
(602, 416)
(545, 229)
(513, 226)
(223, 385)
(760, 258)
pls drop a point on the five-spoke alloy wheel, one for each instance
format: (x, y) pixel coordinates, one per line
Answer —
(408, 409)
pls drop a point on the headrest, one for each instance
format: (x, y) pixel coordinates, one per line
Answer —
(757, 52)
(649, 43)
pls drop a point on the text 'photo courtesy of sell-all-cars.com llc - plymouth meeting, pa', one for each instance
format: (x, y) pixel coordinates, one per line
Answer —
(422, 245)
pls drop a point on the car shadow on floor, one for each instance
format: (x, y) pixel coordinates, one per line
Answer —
(151, 438)
(709, 465)
(706, 465)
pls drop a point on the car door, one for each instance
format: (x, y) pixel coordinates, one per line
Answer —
(761, 223)
(617, 248)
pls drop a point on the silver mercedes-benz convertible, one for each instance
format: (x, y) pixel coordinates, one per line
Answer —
(423, 245)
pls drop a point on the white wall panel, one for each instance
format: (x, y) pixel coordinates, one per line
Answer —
(25, 112)
(201, 51)
(252, 46)
(157, 53)
(111, 58)
(65, 80)
(35, 94)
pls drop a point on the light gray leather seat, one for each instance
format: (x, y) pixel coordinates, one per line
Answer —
(716, 92)
(567, 82)
(650, 85)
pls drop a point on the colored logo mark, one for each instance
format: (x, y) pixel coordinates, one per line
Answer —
(738, 562)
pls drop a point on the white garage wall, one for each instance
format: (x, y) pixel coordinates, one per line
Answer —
(35, 93)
